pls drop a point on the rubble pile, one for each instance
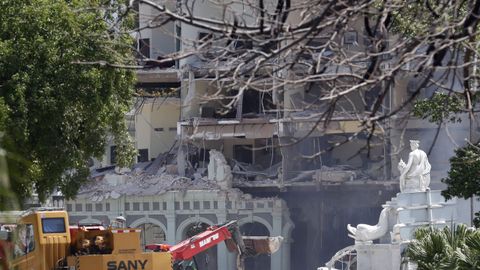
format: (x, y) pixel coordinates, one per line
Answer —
(114, 185)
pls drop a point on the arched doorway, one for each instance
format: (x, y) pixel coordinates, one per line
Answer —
(260, 262)
(151, 234)
(206, 260)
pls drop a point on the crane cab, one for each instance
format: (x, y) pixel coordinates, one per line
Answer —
(41, 239)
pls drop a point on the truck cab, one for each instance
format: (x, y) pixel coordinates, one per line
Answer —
(41, 239)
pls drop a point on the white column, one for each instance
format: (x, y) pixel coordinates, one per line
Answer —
(171, 228)
(276, 258)
(222, 252)
(286, 253)
(171, 222)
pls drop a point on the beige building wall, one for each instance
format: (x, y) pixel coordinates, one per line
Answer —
(156, 125)
(155, 128)
(143, 127)
(161, 40)
(164, 116)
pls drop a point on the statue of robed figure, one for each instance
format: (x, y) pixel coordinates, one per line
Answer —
(415, 174)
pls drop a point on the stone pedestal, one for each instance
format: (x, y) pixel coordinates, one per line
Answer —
(406, 212)
(378, 256)
(410, 211)
(419, 209)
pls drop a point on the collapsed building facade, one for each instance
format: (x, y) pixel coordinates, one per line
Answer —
(263, 160)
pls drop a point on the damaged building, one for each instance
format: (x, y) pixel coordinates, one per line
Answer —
(170, 209)
(263, 160)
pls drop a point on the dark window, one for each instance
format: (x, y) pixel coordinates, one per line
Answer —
(136, 206)
(172, 129)
(142, 155)
(69, 207)
(146, 206)
(98, 207)
(158, 129)
(207, 112)
(204, 37)
(204, 154)
(350, 38)
(243, 44)
(78, 207)
(243, 153)
(107, 207)
(255, 102)
(53, 225)
(144, 47)
(178, 36)
(156, 206)
(127, 206)
(206, 205)
(88, 207)
(113, 154)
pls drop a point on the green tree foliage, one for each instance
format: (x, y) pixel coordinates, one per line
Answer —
(463, 177)
(439, 108)
(414, 18)
(452, 249)
(54, 112)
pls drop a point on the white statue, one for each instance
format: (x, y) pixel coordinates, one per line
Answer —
(415, 175)
(364, 232)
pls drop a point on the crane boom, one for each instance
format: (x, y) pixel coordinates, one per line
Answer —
(196, 244)
(192, 246)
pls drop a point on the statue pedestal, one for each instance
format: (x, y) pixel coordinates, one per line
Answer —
(419, 209)
(404, 214)
(378, 256)
(409, 211)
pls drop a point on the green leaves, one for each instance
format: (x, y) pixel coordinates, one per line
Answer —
(59, 114)
(439, 108)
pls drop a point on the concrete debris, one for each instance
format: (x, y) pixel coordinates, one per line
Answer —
(303, 176)
(247, 175)
(219, 170)
(113, 186)
(101, 172)
(329, 174)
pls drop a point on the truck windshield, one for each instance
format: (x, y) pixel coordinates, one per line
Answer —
(53, 225)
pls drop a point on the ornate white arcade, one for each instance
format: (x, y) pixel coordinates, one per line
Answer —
(174, 211)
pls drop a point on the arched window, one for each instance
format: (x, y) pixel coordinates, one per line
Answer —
(151, 234)
(259, 262)
(206, 260)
